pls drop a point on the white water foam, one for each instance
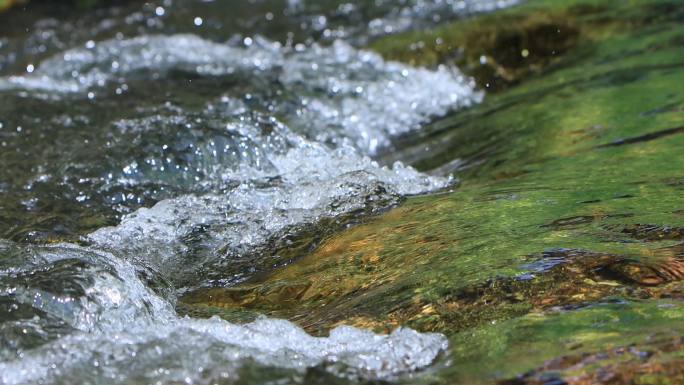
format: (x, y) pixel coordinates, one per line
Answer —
(295, 184)
(343, 94)
(132, 335)
(253, 185)
(271, 184)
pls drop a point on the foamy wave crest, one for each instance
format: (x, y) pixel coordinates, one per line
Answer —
(333, 94)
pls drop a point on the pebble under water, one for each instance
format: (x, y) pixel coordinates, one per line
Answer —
(151, 149)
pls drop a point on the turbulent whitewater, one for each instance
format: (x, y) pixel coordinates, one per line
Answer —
(206, 158)
(101, 324)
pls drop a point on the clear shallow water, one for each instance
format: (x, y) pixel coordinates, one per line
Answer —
(179, 154)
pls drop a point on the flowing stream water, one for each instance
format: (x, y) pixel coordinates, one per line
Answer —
(150, 149)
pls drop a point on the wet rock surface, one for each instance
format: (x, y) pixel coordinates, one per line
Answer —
(239, 184)
(559, 257)
(152, 149)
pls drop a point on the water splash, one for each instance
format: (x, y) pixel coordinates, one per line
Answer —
(239, 185)
(222, 154)
(124, 332)
(333, 94)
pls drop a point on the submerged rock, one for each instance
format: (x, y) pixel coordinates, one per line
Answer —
(226, 185)
(563, 239)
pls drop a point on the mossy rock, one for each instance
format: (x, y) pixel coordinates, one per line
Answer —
(563, 242)
(503, 48)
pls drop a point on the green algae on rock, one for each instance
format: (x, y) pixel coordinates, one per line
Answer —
(560, 257)
(505, 47)
(519, 345)
(563, 241)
